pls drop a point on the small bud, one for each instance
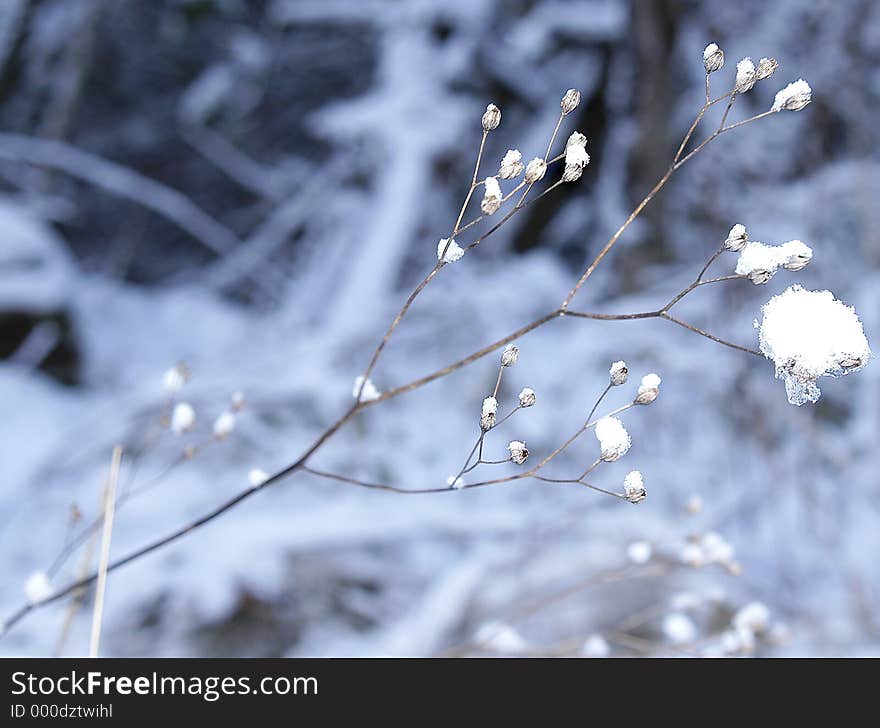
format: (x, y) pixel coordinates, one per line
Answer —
(745, 76)
(759, 276)
(766, 68)
(793, 97)
(183, 418)
(694, 505)
(619, 373)
(570, 101)
(224, 425)
(453, 252)
(795, 255)
(634, 487)
(713, 58)
(649, 389)
(238, 401)
(736, 238)
(509, 356)
(535, 170)
(487, 415)
(491, 197)
(511, 165)
(176, 377)
(492, 118)
(519, 453)
(257, 477)
(527, 397)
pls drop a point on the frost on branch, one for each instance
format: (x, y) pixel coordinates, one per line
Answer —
(453, 251)
(810, 334)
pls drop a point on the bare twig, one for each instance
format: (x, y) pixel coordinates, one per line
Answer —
(109, 509)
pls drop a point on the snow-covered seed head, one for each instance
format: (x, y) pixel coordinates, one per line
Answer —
(224, 425)
(639, 552)
(766, 68)
(491, 197)
(634, 487)
(511, 165)
(795, 255)
(237, 401)
(713, 58)
(183, 418)
(758, 261)
(614, 440)
(793, 97)
(694, 505)
(453, 250)
(535, 170)
(369, 393)
(754, 617)
(570, 101)
(527, 397)
(487, 414)
(509, 356)
(736, 238)
(491, 118)
(619, 373)
(745, 76)
(649, 389)
(257, 477)
(37, 587)
(576, 157)
(810, 334)
(174, 378)
(519, 453)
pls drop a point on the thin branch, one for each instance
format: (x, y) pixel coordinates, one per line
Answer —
(109, 509)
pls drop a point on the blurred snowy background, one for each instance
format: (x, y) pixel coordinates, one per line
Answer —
(253, 187)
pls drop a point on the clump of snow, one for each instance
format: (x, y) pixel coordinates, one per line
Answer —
(527, 397)
(810, 334)
(639, 552)
(456, 483)
(500, 637)
(37, 587)
(745, 75)
(634, 487)
(754, 617)
(759, 261)
(614, 440)
(183, 418)
(370, 391)
(679, 629)
(649, 388)
(257, 477)
(793, 97)
(224, 425)
(596, 646)
(491, 197)
(453, 253)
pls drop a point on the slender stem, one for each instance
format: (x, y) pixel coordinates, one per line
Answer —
(109, 510)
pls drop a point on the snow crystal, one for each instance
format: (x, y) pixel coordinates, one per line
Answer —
(793, 97)
(614, 440)
(809, 334)
(37, 587)
(370, 392)
(596, 646)
(453, 253)
(679, 628)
